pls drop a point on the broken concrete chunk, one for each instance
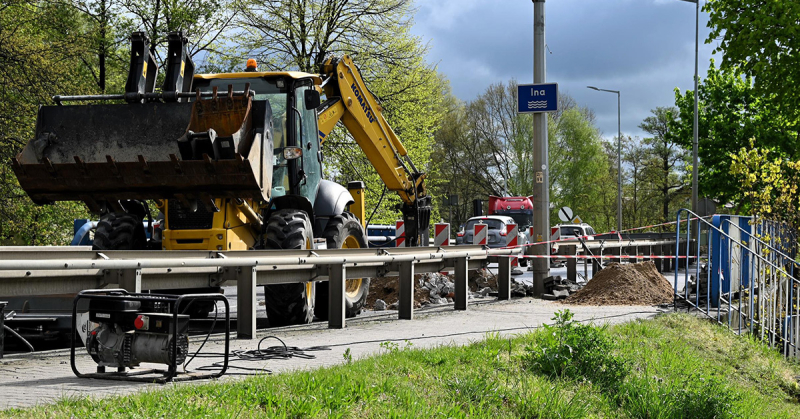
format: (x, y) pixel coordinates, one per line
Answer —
(379, 305)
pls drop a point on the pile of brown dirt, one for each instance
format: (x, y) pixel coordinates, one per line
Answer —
(388, 290)
(628, 284)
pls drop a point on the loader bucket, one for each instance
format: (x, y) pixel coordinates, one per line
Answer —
(98, 153)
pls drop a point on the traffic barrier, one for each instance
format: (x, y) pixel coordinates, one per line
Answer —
(50, 271)
(441, 234)
(400, 234)
(512, 240)
(480, 235)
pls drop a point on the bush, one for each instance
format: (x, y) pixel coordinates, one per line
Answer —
(569, 349)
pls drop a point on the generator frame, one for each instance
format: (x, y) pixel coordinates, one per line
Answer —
(174, 303)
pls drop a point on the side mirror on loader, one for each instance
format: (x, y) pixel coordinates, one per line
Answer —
(311, 98)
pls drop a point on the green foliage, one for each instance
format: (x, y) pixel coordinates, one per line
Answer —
(761, 39)
(486, 148)
(40, 52)
(300, 35)
(665, 165)
(692, 396)
(579, 168)
(731, 112)
(681, 367)
(769, 185)
(577, 351)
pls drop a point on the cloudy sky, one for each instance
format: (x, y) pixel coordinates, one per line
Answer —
(643, 48)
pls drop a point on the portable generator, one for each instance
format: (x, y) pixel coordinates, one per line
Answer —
(126, 330)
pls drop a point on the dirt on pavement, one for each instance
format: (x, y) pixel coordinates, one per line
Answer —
(625, 284)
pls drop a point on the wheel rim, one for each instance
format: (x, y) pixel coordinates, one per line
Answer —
(352, 286)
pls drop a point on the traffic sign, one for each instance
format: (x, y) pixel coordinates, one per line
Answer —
(565, 214)
(540, 97)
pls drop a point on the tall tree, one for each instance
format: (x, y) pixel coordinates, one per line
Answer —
(665, 166)
(761, 39)
(40, 51)
(203, 22)
(731, 112)
(301, 34)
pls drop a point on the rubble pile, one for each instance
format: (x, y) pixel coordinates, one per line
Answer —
(628, 284)
(429, 288)
(557, 288)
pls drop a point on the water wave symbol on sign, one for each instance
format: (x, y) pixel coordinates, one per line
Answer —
(537, 104)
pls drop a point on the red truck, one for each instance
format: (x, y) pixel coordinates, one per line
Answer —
(520, 208)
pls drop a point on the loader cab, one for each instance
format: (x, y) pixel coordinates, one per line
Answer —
(294, 125)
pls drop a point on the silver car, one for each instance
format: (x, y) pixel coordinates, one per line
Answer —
(497, 230)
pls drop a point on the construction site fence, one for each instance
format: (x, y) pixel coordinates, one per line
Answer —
(740, 271)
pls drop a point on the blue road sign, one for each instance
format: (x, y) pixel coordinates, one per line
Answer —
(542, 97)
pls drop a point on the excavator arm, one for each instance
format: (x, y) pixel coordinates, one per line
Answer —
(350, 101)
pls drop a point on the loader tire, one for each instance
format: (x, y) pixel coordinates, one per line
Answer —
(120, 231)
(288, 304)
(344, 232)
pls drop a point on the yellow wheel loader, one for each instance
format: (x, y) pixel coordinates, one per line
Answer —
(233, 161)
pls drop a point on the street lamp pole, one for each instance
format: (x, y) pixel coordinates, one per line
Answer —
(696, 117)
(619, 155)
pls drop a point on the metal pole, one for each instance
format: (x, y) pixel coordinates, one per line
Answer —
(619, 153)
(619, 164)
(694, 128)
(541, 185)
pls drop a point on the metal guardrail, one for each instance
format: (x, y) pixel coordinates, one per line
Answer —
(748, 283)
(69, 270)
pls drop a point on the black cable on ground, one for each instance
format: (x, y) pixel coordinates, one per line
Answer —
(266, 354)
(18, 336)
(208, 335)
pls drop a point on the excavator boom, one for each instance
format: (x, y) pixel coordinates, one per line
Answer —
(350, 101)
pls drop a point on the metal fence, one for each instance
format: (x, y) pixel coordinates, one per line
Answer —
(739, 271)
(35, 271)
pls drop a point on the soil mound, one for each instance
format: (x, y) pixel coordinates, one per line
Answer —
(628, 284)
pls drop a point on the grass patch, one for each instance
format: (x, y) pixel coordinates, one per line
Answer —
(674, 366)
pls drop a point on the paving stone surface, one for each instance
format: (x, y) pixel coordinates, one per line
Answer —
(27, 380)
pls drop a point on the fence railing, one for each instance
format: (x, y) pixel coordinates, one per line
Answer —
(742, 276)
(35, 271)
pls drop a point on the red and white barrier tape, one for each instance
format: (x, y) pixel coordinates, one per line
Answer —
(601, 257)
(618, 233)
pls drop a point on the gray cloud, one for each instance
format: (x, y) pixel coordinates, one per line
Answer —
(644, 48)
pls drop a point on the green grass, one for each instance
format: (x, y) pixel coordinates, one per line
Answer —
(675, 366)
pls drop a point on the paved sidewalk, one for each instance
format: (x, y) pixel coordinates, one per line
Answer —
(27, 380)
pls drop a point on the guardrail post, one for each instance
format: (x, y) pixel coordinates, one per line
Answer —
(504, 278)
(245, 302)
(462, 283)
(337, 274)
(406, 305)
(572, 264)
(130, 280)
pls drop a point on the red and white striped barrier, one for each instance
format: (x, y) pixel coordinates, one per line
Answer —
(400, 234)
(441, 234)
(512, 240)
(481, 234)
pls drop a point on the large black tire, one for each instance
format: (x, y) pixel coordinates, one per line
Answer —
(288, 304)
(120, 231)
(344, 231)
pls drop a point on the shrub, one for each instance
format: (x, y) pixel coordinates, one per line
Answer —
(569, 349)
